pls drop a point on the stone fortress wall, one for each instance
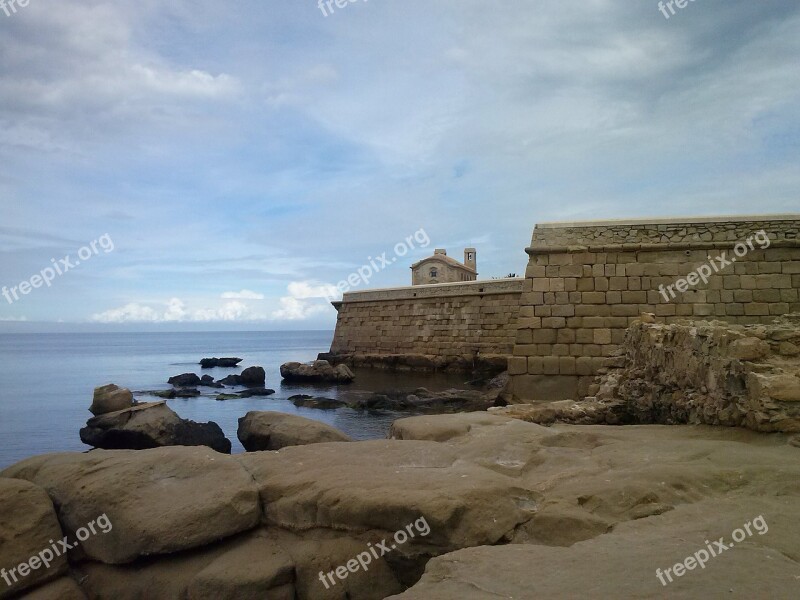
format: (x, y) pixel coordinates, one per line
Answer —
(587, 282)
(453, 325)
(584, 285)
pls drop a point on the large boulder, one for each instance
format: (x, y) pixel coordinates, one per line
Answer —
(320, 371)
(184, 380)
(158, 501)
(151, 425)
(28, 526)
(254, 377)
(110, 398)
(260, 431)
(265, 564)
(226, 363)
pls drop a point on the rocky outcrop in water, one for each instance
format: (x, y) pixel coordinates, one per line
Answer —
(320, 371)
(272, 431)
(150, 425)
(184, 380)
(226, 363)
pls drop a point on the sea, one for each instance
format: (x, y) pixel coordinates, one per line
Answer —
(47, 382)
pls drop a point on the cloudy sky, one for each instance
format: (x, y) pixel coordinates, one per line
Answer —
(242, 157)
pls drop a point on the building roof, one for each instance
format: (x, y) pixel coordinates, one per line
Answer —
(446, 259)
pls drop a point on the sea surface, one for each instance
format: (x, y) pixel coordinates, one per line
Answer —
(47, 382)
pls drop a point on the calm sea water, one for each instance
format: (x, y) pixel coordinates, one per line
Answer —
(47, 382)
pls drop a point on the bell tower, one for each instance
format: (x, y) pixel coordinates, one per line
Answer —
(471, 258)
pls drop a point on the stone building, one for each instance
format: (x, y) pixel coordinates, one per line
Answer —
(441, 268)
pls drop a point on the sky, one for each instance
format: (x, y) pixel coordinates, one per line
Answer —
(223, 166)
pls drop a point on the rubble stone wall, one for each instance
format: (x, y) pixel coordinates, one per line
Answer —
(712, 373)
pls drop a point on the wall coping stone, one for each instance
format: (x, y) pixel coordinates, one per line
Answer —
(666, 246)
(668, 221)
(439, 290)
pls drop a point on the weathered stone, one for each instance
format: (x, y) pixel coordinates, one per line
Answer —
(158, 501)
(28, 523)
(260, 431)
(110, 398)
(151, 425)
(749, 348)
(684, 373)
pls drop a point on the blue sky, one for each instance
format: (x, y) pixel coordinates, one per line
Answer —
(245, 156)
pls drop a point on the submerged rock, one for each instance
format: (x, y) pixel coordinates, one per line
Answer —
(150, 426)
(208, 381)
(256, 392)
(226, 363)
(260, 431)
(304, 401)
(424, 400)
(320, 371)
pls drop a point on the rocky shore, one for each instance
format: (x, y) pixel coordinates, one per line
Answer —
(515, 510)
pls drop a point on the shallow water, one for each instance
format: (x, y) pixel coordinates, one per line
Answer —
(48, 379)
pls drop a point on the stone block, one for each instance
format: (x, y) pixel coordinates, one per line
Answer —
(550, 365)
(567, 365)
(602, 336)
(594, 297)
(517, 365)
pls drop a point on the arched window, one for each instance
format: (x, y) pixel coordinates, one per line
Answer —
(434, 273)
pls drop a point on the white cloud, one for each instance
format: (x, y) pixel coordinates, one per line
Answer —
(300, 303)
(243, 295)
(305, 300)
(309, 289)
(13, 319)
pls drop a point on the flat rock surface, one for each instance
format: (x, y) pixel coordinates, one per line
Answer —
(158, 501)
(623, 564)
(386, 485)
